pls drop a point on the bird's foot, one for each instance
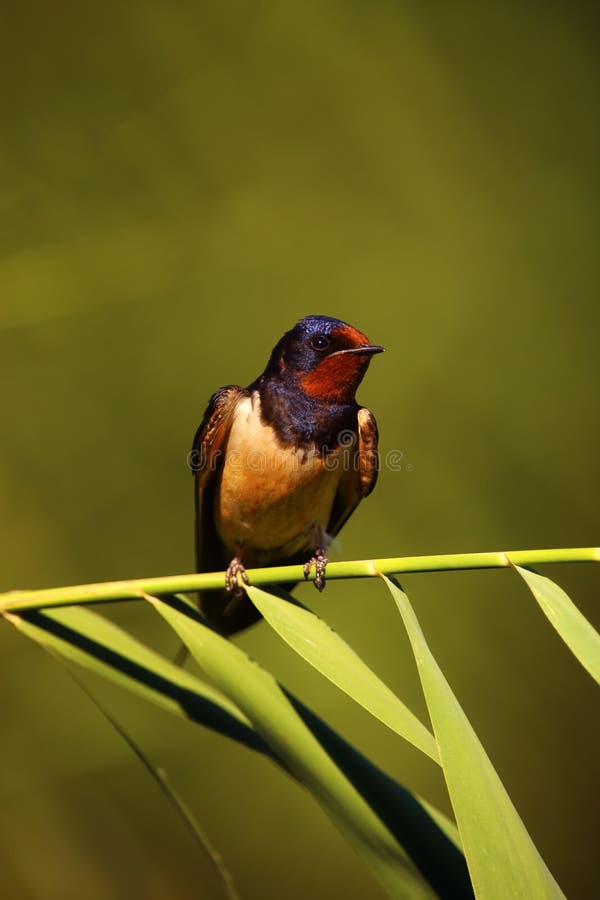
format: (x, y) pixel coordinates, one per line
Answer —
(235, 577)
(319, 561)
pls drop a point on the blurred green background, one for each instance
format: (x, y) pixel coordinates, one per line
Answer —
(181, 183)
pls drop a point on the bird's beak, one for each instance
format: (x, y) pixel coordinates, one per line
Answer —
(362, 350)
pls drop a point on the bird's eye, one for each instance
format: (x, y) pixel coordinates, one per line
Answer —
(319, 342)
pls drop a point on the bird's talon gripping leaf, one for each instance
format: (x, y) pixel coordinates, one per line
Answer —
(319, 561)
(235, 576)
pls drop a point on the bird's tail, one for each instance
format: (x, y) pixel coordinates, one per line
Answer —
(226, 613)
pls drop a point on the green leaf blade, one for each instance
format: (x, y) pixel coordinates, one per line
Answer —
(330, 655)
(93, 642)
(502, 859)
(257, 694)
(575, 630)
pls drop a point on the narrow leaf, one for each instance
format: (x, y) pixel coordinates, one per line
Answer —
(428, 837)
(502, 858)
(443, 822)
(91, 641)
(257, 694)
(330, 655)
(578, 634)
(161, 779)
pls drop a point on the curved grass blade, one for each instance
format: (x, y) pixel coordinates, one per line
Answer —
(578, 634)
(502, 858)
(323, 648)
(91, 641)
(429, 838)
(442, 821)
(273, 716)
(159, 775)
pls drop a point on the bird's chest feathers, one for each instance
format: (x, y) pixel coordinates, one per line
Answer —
(271, 496)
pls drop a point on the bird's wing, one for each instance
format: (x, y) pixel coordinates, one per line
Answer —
(360, 476)
(206, 459)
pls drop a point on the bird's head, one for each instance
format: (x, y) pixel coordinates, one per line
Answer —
(326, 358)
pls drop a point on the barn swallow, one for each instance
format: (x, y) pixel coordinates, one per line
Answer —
(281, 464)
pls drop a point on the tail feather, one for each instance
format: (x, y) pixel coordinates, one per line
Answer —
(228, 614)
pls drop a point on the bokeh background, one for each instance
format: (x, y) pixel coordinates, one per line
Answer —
(181, 183)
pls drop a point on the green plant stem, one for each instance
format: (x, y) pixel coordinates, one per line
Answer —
(135, 589)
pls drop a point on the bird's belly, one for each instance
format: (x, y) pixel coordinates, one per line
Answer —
(272, 501)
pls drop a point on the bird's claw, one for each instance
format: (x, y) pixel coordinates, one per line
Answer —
(319, 561)
(235, 576)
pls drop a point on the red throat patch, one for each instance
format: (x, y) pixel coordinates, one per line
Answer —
(337, 377)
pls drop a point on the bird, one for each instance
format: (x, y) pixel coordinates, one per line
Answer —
(280, 465)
